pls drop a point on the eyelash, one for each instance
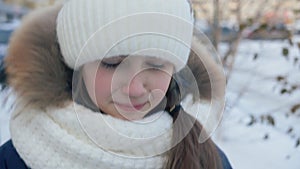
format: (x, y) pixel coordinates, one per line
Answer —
(115, 65)
(110, 65)
(156, 67)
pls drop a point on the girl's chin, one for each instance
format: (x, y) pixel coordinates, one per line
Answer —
(133, 116)
(131, 113)
(130, 116)
(138, 108)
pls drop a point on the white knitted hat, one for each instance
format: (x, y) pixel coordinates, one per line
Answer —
(90, 30)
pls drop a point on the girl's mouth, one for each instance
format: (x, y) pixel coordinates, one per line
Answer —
(130, 107)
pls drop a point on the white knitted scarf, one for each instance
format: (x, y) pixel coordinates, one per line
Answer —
(74, 137)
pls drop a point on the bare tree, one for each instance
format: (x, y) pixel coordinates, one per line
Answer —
(214, 16)
(216, 24)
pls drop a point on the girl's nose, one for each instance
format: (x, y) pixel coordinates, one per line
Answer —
(135, 87)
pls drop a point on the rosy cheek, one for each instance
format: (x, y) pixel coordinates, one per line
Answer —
(103, 85)
(163, 82)
(161, 85)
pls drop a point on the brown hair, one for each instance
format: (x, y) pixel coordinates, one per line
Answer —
(202, 70)
(188, 152)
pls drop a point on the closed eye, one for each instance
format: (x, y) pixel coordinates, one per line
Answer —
(156, 66)
(110, 65)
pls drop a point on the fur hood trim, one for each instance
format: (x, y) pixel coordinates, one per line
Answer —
(39, 76)
(34, 64)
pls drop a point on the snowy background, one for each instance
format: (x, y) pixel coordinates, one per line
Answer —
(257, 130)
(253, 91)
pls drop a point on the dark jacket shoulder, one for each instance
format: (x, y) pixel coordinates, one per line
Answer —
(224, 159)
(9, 158)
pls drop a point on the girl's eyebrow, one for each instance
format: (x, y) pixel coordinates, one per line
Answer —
(121, 57)
(153, 58)
(118, 56)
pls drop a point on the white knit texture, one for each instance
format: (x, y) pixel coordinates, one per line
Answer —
(90, 30)
(56, 139)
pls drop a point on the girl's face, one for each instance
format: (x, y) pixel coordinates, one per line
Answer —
(127, 87)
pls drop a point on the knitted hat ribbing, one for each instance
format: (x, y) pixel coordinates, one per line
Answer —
(89, 30)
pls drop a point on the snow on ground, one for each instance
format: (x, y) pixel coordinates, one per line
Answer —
(260, 145)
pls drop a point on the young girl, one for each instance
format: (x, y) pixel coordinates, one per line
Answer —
(99, 84)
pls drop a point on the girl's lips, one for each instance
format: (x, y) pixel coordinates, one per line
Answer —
(130, 107)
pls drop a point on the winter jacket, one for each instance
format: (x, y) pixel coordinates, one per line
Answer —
(9, 158)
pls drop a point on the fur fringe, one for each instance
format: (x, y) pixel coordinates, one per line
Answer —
(34, 64)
